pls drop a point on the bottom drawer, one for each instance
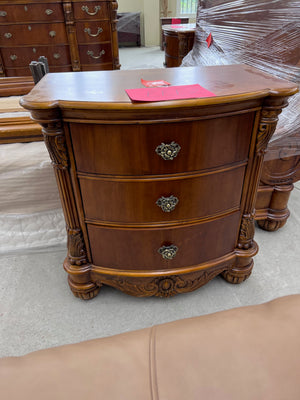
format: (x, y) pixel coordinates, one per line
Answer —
(138, 249)
(22, 56)
(95, 53)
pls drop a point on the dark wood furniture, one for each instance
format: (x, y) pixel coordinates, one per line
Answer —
(178, 41)
(158, 197)
(168, 21)
(74, 35)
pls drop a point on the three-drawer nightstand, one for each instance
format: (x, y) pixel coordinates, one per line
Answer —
(158, 197)
(74, 35)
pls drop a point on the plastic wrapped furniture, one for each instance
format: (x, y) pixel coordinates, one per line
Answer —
(264, 34)
(30, 211)
(129, 29)
(245, 353)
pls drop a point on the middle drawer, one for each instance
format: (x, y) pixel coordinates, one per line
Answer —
(162, 199)
(28, 34)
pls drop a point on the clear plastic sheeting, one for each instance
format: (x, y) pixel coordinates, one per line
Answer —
(129, 29)
(129, 22)
(263, 34)
(31, 216)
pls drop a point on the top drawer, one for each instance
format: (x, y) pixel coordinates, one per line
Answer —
(134, 149)
(31, 12)
(90, 10)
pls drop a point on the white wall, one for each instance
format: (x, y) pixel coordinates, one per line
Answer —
(150, 17)
(150, 24)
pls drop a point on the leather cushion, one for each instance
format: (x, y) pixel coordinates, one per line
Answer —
(245, 353)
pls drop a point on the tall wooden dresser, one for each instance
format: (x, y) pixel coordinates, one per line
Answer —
(74, 35)
(158, 197)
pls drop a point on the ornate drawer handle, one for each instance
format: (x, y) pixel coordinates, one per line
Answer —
(91, 53)
(13, 57)
(56, 56)
(3, 13)
(8, 35)
(168, 252)
(49, 11)
(88, 31)
(86, 9)
(168, 151)
(167, 204)
(52, 33)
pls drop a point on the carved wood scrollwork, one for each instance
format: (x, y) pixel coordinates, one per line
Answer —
(268, 122)
(165, 286)
(114, 8)
(246, 232)
(76, 248)
(55, 141)
(56, 146)
(272, 107)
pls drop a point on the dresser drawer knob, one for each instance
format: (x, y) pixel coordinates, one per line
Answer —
(8, 35)
(3, 13)
(167, 204)
(88, 31)
(91, 54)
(168, 252)
(49, 11)
(52, 33)
(56, 56)
(13, 57)
(86, 9)
(168, 151)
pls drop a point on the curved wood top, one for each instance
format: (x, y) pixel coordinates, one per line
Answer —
(179, 27)
(106, 89)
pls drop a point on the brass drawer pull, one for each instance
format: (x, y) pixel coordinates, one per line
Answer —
(88, 31)
(168, 252)
(56, 56)
(52, 33)
(8, 35)
(49, 11)
(167, 204)
(86, 9)
(13, 57)
(3, 13)
(168, 151)
(91, 53)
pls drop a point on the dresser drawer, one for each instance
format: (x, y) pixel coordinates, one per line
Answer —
(31, 12)
(90, 10)
(138, 249)
(146, 201)
(93, 31)
(95, 53)
(37, 34)
(22, 56)
(131, 149)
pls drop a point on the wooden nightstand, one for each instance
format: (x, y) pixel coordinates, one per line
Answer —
(178, 41)
(158, 197)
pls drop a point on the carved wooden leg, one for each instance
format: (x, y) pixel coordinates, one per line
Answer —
(238, 274)
(80, 281)
(277, 211)
(85, 291)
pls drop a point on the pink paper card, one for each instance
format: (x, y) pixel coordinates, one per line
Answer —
(169, 93)
(176, 21)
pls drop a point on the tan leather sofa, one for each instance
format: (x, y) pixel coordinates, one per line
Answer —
(242, 354)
